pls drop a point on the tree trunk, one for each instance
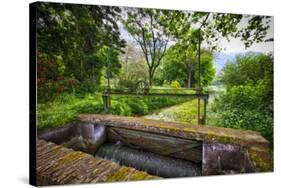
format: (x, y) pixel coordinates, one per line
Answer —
(150, 77)
(93, 72)
(189, 84)
(189, 68)
(126, 63)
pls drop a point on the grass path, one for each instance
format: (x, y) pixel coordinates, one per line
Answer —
(184, 112)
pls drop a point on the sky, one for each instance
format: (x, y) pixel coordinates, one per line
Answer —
(236, 46)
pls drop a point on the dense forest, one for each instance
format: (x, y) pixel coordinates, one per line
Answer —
(81, 51)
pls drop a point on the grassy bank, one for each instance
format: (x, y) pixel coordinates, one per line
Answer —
(186, 112)
(65, 108)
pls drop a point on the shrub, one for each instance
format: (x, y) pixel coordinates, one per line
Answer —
(175, 84)
(119, 108)
(241, 107)
(137, 105)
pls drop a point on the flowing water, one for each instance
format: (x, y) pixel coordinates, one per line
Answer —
(146, 161)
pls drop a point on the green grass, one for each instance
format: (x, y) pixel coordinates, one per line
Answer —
(185, 112)
(163, 90)
(65, 108)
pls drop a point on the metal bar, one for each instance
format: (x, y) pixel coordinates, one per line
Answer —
(205, 110)
(199, 115)
(161, 94)
(106, 103)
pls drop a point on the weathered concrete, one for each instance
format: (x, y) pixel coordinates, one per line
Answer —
(226, 159)
(57, 165)
(247, 149)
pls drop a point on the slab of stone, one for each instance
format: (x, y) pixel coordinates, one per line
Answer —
(57, 165)
(204, 133)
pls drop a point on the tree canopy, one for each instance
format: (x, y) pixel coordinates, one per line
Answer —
(71, 41)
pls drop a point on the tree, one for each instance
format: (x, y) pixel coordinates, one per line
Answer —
(71, 36)
(145, 25)
(180, 65)
(133, 62)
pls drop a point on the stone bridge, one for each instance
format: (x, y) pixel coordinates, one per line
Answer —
(215, 150)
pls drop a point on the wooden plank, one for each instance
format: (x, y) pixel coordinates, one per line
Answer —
(157, 143)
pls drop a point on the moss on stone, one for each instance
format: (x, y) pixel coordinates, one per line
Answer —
(222, 139)
(139, 176)
(69, 158)
(57, 150)
(170, 128)
(120, 174)
(262, 160)
(143, 176)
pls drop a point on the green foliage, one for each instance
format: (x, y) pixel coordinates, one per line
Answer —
(120, 108)
(248, 102)
(183, 66)
(133, 85)
(65, 107)
(247, 68)
(175, 84)
(252, 69)
(71, 45)
(241, 108)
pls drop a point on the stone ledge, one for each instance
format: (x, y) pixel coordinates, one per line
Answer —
(57, 165)
(205, 133)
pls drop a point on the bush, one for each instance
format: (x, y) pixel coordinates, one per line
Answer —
(137, 105)
(175, 84)
(120, 108)
(241, 108)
